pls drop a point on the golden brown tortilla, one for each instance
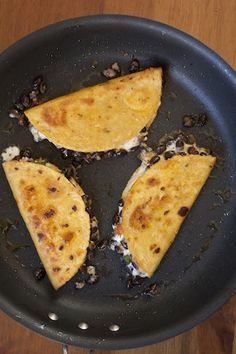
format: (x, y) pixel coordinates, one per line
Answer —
(101, 117)
(54, 214)
(156, 206)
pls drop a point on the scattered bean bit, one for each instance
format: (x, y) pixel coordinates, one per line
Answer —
(80, 284)
(109, 73)
(42, 87)
(25, 100)
(14, 113)
(39, 273)
(115, 66)
(134, 66)
(183, 211)
(189, 121)
(152, 290)
(27, 152)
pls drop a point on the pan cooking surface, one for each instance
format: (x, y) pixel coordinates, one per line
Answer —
(198, 273)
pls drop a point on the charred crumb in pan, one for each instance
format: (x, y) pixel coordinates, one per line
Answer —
(39, 273)
(192, 120)
(112, 71)
(134, 66)
(27, 100)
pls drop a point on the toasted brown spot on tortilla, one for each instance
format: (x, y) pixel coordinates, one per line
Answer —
(166, 212)
(74, 208)
(153, 246)
(88, 100)
(157, 250)
(52, 189)
(138, 219)
(65, 225)
(71, 257)
(56, 269)
(16, 168)
(152, 182)
(106, 130)
(61, 248)
(36, 221)
(41, 236)
(40, 172)
(49, 213)
(68, 237)
(162, 188)
(54, 117)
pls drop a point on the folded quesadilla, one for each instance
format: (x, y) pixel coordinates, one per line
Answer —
(156, 201)
(103, 117)
(54, 213)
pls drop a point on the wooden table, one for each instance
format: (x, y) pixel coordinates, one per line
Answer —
(211, 21)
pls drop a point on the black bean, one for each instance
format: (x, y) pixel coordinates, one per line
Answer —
(109, 153)
(94, 229)
(19, 106)
(189, 121)
(160, 149)
(153, 160)
(37, 81)
(169, 154)
(93, 279)
(23, 120)
(124, 244)
(14, 113)
(39, 273)
(152, 290)
(25, 100)
(109, 73)
(193, 151)
(181, 136)
(42, 87)
(121, 203)
(88, 209)
(183, 211)
(182, 153)
(33, 94)
(121, 152)
(115, 66)
(65, 153)
(191, 139)
(134, 66)
(179, 143)
(69, 172)
(102, 245)
(144, 130)
(87, 158)
(202, 120)
(116, 219)
(78, 156)
(27, 152)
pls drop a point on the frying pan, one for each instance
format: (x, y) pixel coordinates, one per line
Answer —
(199, 272)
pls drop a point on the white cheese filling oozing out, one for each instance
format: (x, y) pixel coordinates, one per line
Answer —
(128, 145)
(10, 153)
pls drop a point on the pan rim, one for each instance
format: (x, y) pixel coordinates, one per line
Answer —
(224, 295)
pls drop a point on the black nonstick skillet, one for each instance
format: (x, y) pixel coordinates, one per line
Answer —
(199, 272)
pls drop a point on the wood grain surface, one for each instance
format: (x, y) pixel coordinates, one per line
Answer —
(211, 21)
